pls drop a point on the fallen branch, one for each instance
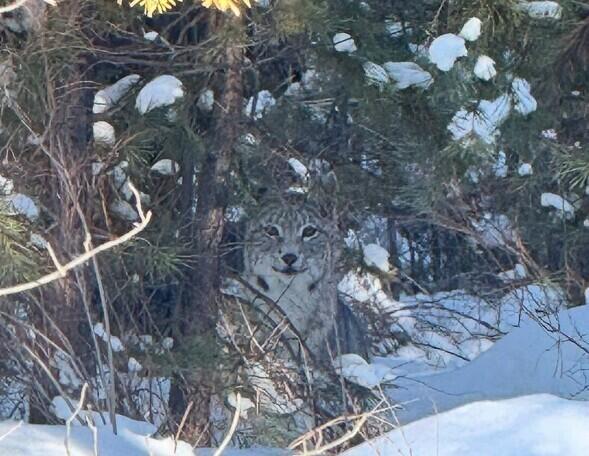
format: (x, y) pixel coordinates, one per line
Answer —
(62, 270)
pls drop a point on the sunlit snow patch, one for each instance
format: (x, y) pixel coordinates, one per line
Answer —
(263, 102)
(104, 133)
(446, 49)
(472, 29)
(407, 74)
(375, 74)
(376, 256)
(564, 208)
(485, 68)
(161, 91)
(165, 167)
(343, 42)
(525, 169)
(22, 205)
(109, 96)
(524, 102)
(484, 122)
(541, 9)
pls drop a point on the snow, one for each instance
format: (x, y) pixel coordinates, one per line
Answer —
(494, 230)
(534, 425)
(517, 273)
(206, 100)
(525, 169)
(485, 68)
(38, 241)
(133, 365)
(20, 204)
(549, 133)
(357, 370)
(264, 102)
(344, 42)
(151, 36)
(471, 29)
(395, 29)
(407, 74)
(161, 91)
(375, 74)
(165, 167)
(299, 168)
(377, 257)
(541, 9)
(525, 103)
(564, 208)
(104, 133)
(484, 122)
(445, 50)
(500, 167)
(6, 186)
(108, 97)
(531, 359)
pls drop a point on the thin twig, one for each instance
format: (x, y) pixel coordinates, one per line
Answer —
(68, 422)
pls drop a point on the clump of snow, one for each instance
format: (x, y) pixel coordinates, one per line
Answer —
(206, 100)
(104, 133)
(471, 29)
(244, 404)
(500, 167)
(407, 74)
(263, 103)
(299, 168)
(357, 370)
(534, 425)
(19, 204)
(124, 210)
(38, 241)
(517, 273)
(525, 169)
(445, 50)
(376, 256)
(161, 91)
(375, 74)
(165, 167)
(485, 68)
(550, 134)
(525, 103)
(133, 365)
(484, 122)
(151, 36)
(541, 9)
(109, 96)
(343, 42)
(395, 29)
(6, 186)
(65, 367)
(115, 342)
(564, 208)
(494, 230)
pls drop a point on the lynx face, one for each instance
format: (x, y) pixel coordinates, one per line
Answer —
(288, 244)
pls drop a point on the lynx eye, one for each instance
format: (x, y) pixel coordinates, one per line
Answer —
(272, 231)
(309, 231)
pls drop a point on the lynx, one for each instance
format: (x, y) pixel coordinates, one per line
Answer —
(289, 254)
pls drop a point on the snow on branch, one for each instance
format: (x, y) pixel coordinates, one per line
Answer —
(62, 269)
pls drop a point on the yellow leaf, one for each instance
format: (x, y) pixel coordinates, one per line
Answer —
(225, 5)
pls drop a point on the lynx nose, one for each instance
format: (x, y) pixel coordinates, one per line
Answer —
(289, 258)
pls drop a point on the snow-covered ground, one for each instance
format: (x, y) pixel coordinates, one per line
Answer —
(536, 425)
